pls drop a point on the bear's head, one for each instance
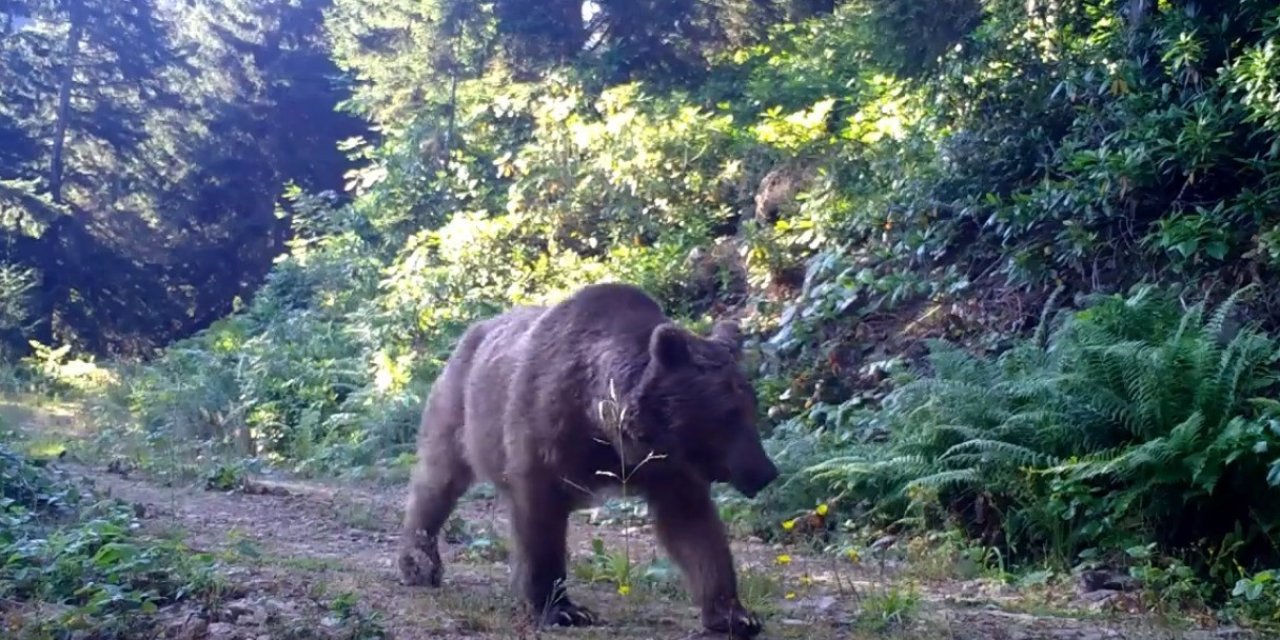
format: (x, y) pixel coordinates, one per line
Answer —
(696, 405)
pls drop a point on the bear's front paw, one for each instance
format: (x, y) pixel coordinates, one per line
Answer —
(419, 567)
(567, 614)
(733, 620)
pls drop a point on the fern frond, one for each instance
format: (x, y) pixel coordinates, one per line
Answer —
(1213, 328)
(998, 452)
(943, 479)
(1093, 466)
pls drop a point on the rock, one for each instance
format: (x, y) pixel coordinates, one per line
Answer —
(1098, 596)
(883, 543)
(222, 631)
(187, 628)
(239, 608)
(1101, 599)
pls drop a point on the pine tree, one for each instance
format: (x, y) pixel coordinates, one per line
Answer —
(84, 74)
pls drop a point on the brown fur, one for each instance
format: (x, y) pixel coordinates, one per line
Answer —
(518, 405)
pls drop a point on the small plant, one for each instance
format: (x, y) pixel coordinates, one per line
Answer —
(760, 590)
(226, 477)
(1256, 599)
(889, 608)
(358, 625)
(1169, 585)
(606, 566)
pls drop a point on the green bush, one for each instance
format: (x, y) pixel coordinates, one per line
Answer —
(1135, 422)
(69, 563)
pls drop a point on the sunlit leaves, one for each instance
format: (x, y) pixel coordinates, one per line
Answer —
(795, 130)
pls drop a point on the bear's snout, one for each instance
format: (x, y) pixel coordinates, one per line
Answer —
(751, 484)
(750, 469)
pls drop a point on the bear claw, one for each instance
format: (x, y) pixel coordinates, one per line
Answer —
(740, 623)
(567, 614)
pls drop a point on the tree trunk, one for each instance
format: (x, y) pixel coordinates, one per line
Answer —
(75, 14)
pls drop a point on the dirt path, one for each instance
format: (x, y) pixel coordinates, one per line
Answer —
(291, 548)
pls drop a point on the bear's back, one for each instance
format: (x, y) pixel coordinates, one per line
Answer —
(564, 364)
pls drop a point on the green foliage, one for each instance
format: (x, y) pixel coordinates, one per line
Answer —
(889, 608)
(70, 563)
(16, 285)
(331, 360)
(142, 151)
(1131, 424)
(1255, 597)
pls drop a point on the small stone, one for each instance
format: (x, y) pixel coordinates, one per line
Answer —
(1233, 633)
(1100, 595)
(884, 543)
(187, 628)
(239, 608)
(820, 604)
(222, 631)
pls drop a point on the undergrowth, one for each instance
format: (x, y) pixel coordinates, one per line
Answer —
(1135, 424)
(70, 563)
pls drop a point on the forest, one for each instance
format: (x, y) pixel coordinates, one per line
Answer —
(1002, 265)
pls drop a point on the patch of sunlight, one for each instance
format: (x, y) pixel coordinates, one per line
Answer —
(42, 416)
(794, 130)
(391, 374)
(890, 115)
(48, 449)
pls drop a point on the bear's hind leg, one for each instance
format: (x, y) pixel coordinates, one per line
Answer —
(439, 480)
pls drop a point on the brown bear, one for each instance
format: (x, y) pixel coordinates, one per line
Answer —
(521, 403)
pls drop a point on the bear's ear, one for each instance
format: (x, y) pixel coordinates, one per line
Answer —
(728, 333)
(669, 345)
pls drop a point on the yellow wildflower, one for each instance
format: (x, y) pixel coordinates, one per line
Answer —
(624, 589)
(791, 595)
(853, 555)
(784, 559)
(788, 525)
(822, 509)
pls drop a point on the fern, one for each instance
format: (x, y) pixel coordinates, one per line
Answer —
(1133, 419)
(997, 452)
(944, 479)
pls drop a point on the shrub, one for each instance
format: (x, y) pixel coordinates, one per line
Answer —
(1135, 421)
(67, 562)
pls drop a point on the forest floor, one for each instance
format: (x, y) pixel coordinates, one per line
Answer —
(290, 548)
